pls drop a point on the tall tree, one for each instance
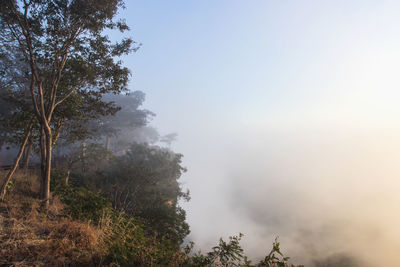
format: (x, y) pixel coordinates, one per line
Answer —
(69, 57)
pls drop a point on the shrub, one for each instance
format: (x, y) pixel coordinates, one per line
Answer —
(126, 239)
(83, 204)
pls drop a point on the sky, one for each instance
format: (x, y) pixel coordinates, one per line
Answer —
(287, 116)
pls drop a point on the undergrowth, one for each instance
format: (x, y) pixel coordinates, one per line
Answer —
(81, 228)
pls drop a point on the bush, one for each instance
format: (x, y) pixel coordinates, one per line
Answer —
(83, 204)
(144, 184)
(126, 239)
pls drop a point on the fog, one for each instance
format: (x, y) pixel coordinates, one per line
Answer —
(324, 192)
(287, 115)
(288, 119)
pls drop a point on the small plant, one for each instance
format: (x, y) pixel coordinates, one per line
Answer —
(231, 254)
(227, 253)
(10, 185)
(275, 258)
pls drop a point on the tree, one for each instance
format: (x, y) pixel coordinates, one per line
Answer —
(69, 57)
(144, 183)
(16, 118)
(123, 123)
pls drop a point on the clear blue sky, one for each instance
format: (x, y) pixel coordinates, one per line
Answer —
(231, 60)
(304, 92)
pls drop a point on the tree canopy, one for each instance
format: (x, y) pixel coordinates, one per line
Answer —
(72, 62)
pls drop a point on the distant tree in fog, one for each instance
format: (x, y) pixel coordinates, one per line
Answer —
(339, 260)
(123, 123)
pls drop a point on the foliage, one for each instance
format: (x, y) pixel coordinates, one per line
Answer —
(126, 239)
(144, 183)
(224, 254)
(134, 201)
(82, 158)
(150, 237)
(131, 245)
(82, 204)
(71, 63)
(230, 254)
(15, 104)
(59, 70)
(10, 185)
(275, 258)
(125, 121)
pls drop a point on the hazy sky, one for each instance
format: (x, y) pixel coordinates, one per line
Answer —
(288, 117)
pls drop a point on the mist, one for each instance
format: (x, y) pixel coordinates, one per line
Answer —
(327, 192)
(281, 118)
(287, 116)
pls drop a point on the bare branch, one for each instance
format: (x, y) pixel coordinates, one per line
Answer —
(65, 97)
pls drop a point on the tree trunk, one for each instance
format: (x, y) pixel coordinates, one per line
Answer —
(15, 166)
(47, 173)
(67, 177)
(27, 156)
(42, 161)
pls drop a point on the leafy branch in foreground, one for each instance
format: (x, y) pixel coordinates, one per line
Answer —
(276, 258)
(231, 254)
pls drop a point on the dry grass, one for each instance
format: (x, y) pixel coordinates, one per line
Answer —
(30, 237)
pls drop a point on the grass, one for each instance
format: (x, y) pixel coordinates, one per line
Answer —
(30, 237)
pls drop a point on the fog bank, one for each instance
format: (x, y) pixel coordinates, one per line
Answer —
(325, 191)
